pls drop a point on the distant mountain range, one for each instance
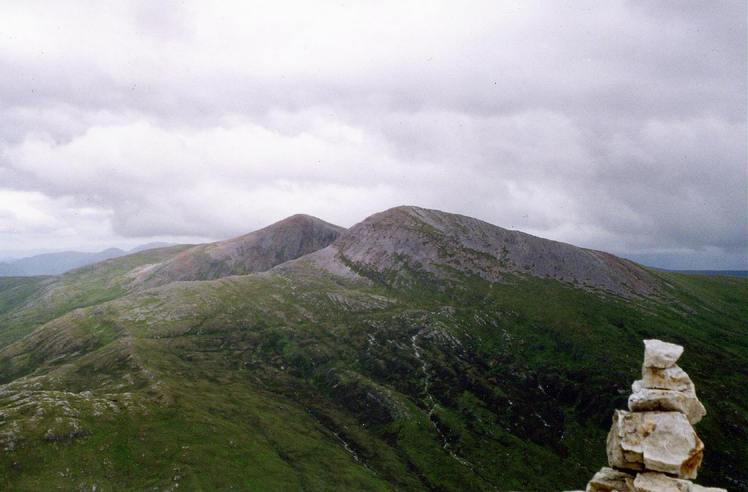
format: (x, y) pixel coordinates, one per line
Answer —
(417, 350)
(57, 263)
(724, 273)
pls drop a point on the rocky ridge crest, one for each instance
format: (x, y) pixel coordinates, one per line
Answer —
(407, 238)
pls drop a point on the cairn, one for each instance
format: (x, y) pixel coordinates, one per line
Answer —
(652, 446)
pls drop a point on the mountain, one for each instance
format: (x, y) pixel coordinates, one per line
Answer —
(417, 350)
(55, 263)
(153, 245)
(254, 252)
(728, 273)
(58, 263)
(407, 240)
(107, 280)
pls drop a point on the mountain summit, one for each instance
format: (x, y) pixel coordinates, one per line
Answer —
(257, 251)
(405, 239)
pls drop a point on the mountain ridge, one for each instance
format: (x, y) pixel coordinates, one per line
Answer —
(65, 261)
(55, 263)
(409, 237)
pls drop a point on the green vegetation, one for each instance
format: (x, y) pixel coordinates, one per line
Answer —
(462, 357)
(304, 381)
(27, 302)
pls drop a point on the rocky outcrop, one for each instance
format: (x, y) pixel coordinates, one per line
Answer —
(652, 446)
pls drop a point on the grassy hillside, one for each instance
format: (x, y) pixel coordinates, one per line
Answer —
(16, 291)
(299, 379)
(27, 302)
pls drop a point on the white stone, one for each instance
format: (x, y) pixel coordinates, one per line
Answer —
(671, 378)
(661, 354)
(656, 441)
(608, 479)
(657, 482)
(623, 447)
(645, 399)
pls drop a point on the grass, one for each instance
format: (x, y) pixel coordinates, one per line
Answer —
(303, 381)
(28, 302)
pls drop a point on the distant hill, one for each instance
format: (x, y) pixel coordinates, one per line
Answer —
(153, 245)
(55, 263)
(724, 273)
(58, 263)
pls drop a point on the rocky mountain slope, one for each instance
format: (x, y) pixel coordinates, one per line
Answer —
(416, 351)
(407, 240)
(254, 252)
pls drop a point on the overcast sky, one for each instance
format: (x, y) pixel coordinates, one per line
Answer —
(616, 125)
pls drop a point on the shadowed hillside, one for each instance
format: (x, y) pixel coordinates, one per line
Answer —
(255, 252)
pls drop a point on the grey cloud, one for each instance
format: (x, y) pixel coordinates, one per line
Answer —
(616, 125)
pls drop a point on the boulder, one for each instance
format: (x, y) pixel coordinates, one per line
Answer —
(644, 399)
(656, 441)
(661, 354)
(610, 480)
(671, 378)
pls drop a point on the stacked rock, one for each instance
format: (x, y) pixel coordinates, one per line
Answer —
(652, 447)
